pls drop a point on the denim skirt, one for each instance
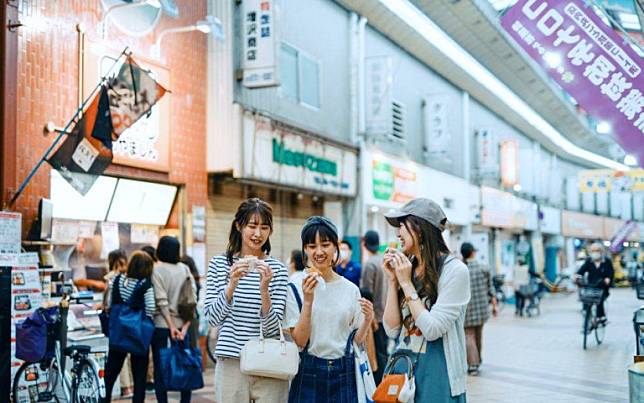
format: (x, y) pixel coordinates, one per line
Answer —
(323, 381)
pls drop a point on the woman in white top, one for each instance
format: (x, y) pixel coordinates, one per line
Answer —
(426, 302)
(325, 314)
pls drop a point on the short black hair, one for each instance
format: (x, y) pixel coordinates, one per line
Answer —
(345, 242)
(150, 250)
(467, 249)
(169, 249)
(326, 234)
(298, 261)
(115, 257)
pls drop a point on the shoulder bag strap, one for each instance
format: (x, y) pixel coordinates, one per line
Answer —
(116, 290)
(298, 299)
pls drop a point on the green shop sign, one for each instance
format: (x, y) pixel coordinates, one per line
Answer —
(382, 180)
(282, 155)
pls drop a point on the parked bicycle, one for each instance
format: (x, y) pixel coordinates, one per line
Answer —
(48, 381)
(590, 297)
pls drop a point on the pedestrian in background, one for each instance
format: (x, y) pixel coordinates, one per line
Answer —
(246, 286)
(168, 278)
(139, 270)
(117, 264)
(296, 267)
(322, 319)
(521, 284)
(478, 310)
(426, 302)
(346, 267)
(374, 280)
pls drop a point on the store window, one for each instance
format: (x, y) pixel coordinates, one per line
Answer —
(299, 76)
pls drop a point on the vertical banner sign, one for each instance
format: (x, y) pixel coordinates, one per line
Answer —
(588, 59)
(487, 154)
(259, 58)
(378, 95)
(616, 242)
(437, 134)
(509, 163)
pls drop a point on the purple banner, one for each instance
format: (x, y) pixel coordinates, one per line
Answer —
(616, 243)
(588, 59)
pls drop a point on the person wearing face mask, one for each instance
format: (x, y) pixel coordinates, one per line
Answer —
(245, 286)
(598, 272)
(426, 303)
(322, 319)
(347, 268)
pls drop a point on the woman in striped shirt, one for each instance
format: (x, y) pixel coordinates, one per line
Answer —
(246, 287)
(138, 274)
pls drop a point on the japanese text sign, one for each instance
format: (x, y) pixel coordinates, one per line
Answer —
(588, 59)
(259, 43)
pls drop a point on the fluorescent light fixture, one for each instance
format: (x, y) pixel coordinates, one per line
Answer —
(207, 25)
(630, 160)
(415, 18)
(517, 188)
(603, 127)
(552, 59)
(375, 209)
(607, 243)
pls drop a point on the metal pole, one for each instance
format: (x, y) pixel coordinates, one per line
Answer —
(79, 110)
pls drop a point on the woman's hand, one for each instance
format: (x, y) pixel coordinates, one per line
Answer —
(266, 274)
(403, 267)
(367, 309)
(389, 266)
(308, 287)
(237, 271)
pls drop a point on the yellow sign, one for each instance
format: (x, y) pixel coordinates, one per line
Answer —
(606, 180)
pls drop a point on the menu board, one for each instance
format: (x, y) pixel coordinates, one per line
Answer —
(10, 228)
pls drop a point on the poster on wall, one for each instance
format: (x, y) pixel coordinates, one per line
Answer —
(259, 44)
(509, 163)
(109, 238)
(10, 232)
(588, 59)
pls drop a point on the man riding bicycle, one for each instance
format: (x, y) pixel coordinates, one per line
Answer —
(598, 270)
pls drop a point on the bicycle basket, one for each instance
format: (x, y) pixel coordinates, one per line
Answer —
(589, 295)
(640, 290)
(36, 335)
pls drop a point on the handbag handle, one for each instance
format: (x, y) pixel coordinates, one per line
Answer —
(261, 331)
(392, 363)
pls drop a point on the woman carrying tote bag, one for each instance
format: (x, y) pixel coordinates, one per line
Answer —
(426, 303)
(323, 312)
(245, 287)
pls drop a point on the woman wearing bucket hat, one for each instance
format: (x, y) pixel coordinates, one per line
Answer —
(428, 295)
(325, 313)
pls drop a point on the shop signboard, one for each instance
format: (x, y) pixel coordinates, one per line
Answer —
(504, 210)
(580, 225)
(549, 220)
(487, 154)
(588, 59)
(378, 95)
(607, 180)
(284, 157)
(392, 181)
(438, 136)
(146, 144)
(259, 43)
(509, 163)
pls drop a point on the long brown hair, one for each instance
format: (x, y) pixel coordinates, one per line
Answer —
(432, 250)
(247, 210)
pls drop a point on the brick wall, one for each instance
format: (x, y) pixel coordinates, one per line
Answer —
(47, 81)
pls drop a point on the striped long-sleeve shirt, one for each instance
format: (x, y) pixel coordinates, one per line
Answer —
(239, 320)
(126, 287)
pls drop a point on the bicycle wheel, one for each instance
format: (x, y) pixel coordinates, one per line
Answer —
(35, 382)
(586, 325)
(86, 387)
(211, 343)
(600, 328)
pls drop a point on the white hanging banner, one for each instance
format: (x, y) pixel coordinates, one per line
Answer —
(259, 43)
(378, 96)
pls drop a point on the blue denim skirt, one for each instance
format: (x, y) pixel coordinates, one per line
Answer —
(323, 381)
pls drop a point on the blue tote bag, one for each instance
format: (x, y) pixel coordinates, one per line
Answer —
(181, 366)
(130, 328)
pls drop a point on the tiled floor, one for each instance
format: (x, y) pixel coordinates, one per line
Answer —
(535, 360)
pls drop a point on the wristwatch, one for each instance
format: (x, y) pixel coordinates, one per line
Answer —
(412, 297)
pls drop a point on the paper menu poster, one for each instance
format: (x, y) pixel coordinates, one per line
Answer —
(10, 232)
(110, 237)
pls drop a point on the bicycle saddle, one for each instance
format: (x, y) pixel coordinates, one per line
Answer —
(80, 349)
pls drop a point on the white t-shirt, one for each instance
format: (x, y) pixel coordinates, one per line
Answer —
(297, 277)
(335, 313)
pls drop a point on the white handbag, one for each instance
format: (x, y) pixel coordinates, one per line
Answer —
(270, 358)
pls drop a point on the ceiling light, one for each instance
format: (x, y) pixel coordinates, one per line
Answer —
(603, 127)
(630, 160)
(517, 188)
(445, 44)
(207, 25)
(607, 243)
(375, 209)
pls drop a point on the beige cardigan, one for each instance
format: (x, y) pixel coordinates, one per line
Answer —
(167, 279)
